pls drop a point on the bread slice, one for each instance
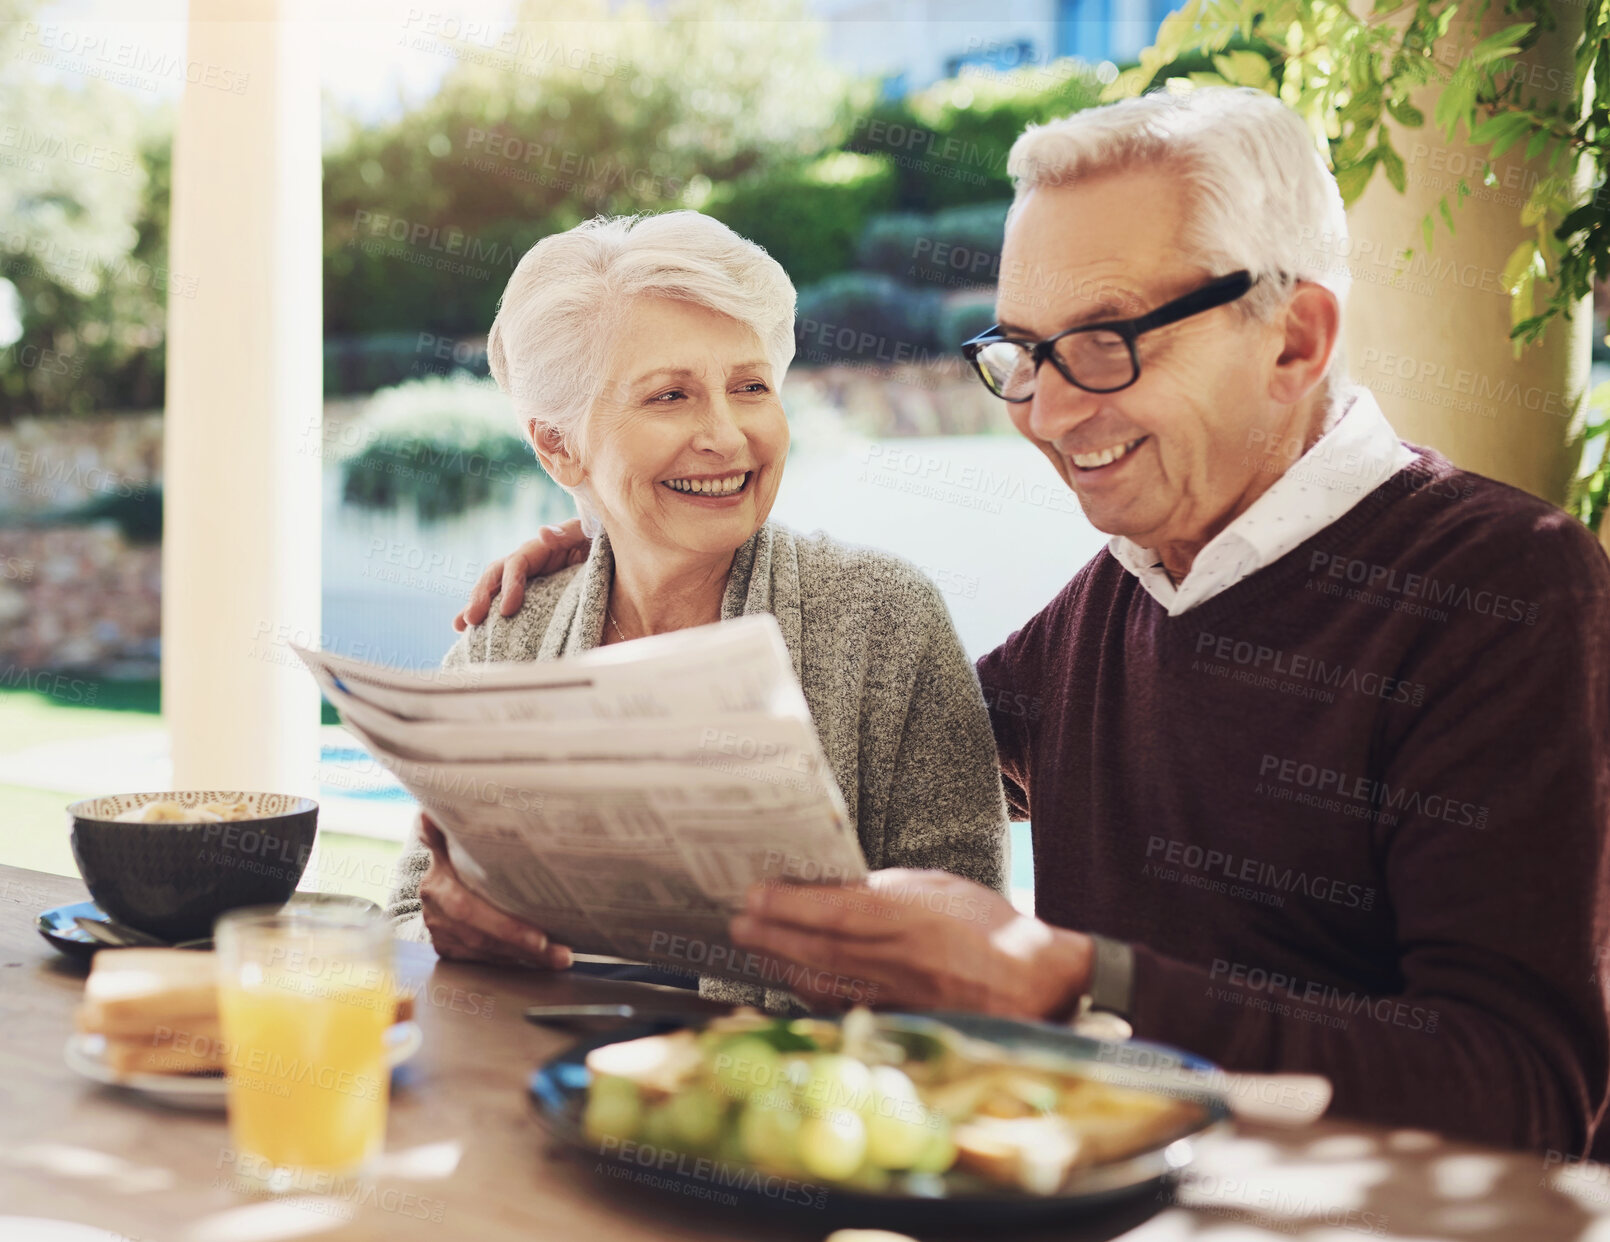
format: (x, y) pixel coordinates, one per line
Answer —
(130, 991)
(183, 1052)
(158, 1009)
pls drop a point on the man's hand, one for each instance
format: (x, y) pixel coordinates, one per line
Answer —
(552, 550)
(465, 928)
(918, 940)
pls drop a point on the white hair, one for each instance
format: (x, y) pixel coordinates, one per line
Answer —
(1256, 192)
(559, 313)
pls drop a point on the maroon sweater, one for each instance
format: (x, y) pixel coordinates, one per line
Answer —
(1351, 812)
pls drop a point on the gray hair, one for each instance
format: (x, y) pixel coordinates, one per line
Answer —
(557, 318)
(1256, 191)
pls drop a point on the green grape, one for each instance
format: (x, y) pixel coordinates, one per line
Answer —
(897, 1130)
(730, 1146)
(695, 1116)
(745, 1065)
(656, 1130)
(940, 1152)
(832, 1144)
(869, 1178)
(614, 1109)
(837, 1081)
(769, 1136)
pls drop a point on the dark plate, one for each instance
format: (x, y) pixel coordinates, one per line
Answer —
(558, 1088)
(57, 926)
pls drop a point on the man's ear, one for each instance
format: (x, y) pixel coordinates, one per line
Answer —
(555, 456)
(1313, 327)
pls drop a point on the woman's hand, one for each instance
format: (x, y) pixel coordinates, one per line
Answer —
(464, 927)
(552, 550)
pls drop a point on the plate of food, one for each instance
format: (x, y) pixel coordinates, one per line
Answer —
(149, 1023)
(898, 1118)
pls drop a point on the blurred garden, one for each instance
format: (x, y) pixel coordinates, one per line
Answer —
(885, 205)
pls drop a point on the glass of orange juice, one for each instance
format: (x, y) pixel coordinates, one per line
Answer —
(305, 995)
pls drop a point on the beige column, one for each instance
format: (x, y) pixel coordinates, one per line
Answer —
(1433, 342)
(241, 522)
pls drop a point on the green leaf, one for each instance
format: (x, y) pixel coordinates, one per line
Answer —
(1393, 163)
(1405, 113)
(1427, 230)
(1498, 45)
(1352, 179)
(1457, 99)
(1447, 215)
(1518, 267)
(1511, 135)
(1586, 216)
(1535, 143)
(1243, 68)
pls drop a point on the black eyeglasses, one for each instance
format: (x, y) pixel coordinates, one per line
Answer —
(1098, 357)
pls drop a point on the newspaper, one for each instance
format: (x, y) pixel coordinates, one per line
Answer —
(623, 800)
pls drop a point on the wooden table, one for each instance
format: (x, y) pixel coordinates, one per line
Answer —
(466, 1159)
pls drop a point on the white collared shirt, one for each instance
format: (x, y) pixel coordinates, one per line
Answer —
(1357, 452)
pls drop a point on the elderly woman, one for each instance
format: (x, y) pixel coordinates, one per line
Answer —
(644, 359)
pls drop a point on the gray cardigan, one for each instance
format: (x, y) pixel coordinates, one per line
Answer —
(894, 698)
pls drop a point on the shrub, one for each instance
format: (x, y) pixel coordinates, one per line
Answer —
(957, 248)
(366, 363)
(443, 444)
(965, 315)
(866, 317)
(808, 217)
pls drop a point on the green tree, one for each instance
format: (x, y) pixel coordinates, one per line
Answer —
(606, 111)
(83, 235)
(1349, 71)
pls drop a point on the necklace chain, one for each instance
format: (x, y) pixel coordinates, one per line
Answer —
(610, 613)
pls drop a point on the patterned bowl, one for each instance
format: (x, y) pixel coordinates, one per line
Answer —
(173, 879)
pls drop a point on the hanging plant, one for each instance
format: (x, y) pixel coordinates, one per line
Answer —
(1348, 69)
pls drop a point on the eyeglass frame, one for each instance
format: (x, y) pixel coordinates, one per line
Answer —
(1220, 291)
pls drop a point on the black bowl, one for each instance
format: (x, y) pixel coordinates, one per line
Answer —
(173, 879)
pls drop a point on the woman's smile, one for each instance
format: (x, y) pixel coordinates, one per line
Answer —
(711, 489)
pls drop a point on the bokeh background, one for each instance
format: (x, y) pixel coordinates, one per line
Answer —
(863, 145)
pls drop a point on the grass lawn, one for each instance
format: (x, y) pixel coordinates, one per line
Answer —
(33, 833)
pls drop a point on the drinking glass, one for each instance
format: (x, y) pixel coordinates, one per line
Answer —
(306, 994)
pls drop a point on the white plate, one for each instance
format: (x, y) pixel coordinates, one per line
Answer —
(86, 1055)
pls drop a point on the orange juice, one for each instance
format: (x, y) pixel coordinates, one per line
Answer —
(308, 1079)
(305, 996)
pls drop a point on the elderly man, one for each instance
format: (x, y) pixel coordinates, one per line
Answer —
(1316, 751)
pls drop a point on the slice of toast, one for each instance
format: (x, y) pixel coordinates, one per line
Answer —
(133, 991)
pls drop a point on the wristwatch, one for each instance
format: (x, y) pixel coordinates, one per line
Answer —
(1104, 1008)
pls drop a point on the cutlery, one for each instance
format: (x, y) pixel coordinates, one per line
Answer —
(117, 935)
(563, 1015)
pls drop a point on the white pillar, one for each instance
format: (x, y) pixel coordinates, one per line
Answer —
(1434, 344)
(241, 522)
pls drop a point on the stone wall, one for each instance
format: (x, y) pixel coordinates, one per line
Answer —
(82, 597)
(78, 596)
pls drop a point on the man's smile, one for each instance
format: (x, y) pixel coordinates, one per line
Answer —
(1103, 458)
